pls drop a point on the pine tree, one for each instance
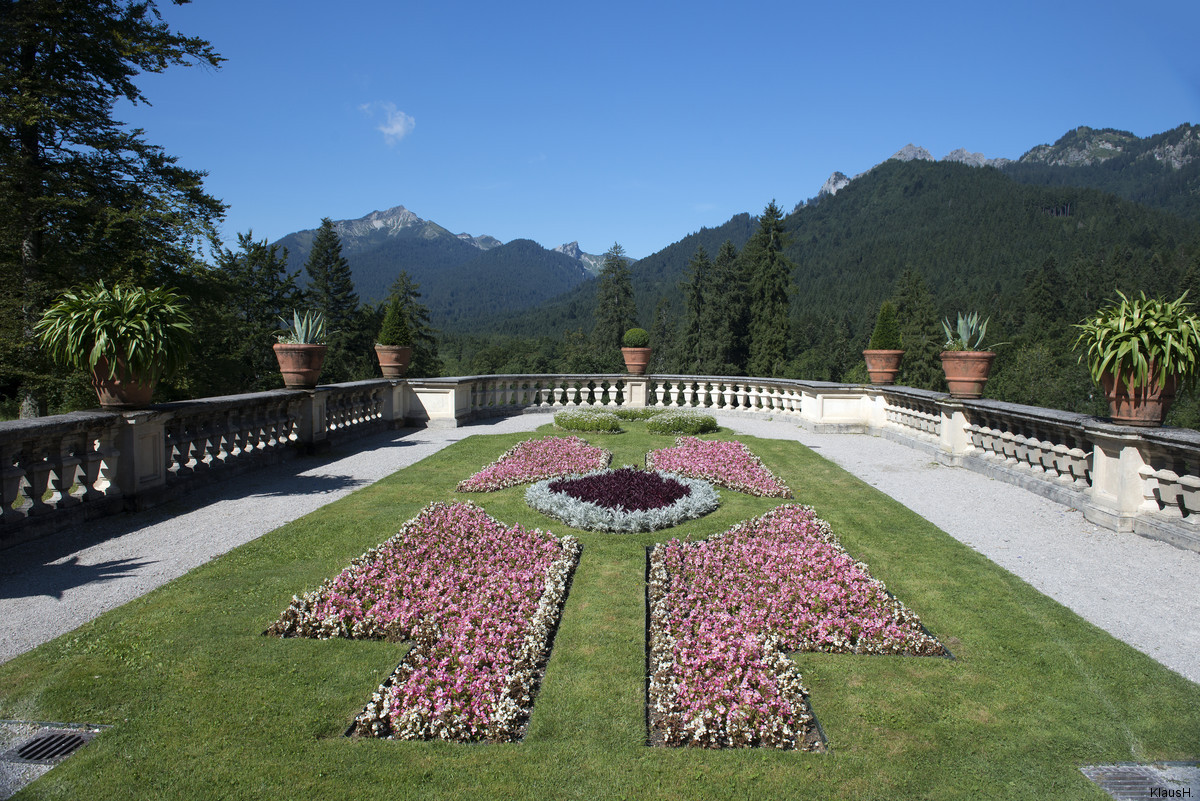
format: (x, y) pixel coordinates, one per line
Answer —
(616, 311)
(920, 333)
(663, 335)
(331, 292)
(769, 276)
(693, 342)
(727, 315)
(85, 197)
(425, 361)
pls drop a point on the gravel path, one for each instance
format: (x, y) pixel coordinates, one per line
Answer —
(1146, 593)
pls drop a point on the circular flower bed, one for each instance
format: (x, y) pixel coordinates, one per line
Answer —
(626, 500)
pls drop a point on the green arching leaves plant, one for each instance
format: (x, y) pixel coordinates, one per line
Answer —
(969, 328)
(304, 329)
(147, 330)
(1134, 338)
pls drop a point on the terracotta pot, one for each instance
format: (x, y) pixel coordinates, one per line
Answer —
(393, 359)
(122, 391)
(967, 371)
(1144, 405)
(636, 360)
(883, 365)
(300, 364)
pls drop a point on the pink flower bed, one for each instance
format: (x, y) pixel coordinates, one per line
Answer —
(479, 601)
(730, 464)
(537, 459)
(726, 612)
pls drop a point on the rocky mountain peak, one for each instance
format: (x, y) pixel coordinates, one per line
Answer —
(589, 262)
(911, 152)
(833, 184)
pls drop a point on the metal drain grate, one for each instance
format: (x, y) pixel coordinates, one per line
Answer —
(1131, 782)
(48, 747)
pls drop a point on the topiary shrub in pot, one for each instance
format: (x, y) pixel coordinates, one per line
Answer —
(393, 347)
(636, 350)
(301, 349)
(127, 337)
(1140, 350)
(966, 366)
(884, 351)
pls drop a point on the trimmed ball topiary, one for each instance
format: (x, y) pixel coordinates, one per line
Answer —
(636, 338)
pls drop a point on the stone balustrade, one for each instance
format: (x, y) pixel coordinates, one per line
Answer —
(59, 470)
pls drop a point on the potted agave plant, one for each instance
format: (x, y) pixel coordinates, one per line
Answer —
(1140, 350)
(128, 337)
(393, 347)
(301, 349)
(965, 364)
(884, 351)
(636, 350)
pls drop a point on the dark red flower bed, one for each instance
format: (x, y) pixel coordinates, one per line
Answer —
(627, 488)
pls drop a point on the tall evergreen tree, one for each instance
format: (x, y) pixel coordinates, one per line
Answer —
(425, 361)
(694, 344)
(84, 196)
(616, 311)
(727, 315)
(664, 356)
(769, 275)
(331, 292)
(921, 334)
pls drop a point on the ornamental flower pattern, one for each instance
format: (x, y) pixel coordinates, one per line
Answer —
(728, 463)
(536, 459)
(478, 600)
(625, 500)
(724, 614)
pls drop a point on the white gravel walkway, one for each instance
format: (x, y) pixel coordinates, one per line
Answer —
(1147, 593)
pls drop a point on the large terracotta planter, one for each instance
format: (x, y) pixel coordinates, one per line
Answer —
(883, 365)
(300, 364)
(393, 359)
(1144, 405)
(636, 360)
(123, 391)
(967, 371)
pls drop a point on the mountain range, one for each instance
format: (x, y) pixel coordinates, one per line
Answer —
(477, 283)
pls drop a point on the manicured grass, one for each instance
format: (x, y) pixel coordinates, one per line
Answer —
(203, 706)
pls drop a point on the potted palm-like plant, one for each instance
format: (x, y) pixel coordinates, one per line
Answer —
(393, 347)
(636, 350)
(884, 351)
(128, 337)
(965, 364)
(301, 349)
(1140, 350)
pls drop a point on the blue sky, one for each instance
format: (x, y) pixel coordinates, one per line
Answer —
(634, 122)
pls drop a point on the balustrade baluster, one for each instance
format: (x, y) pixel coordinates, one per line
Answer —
(37, 476)
(66, 465)
(11, 475)
(1168, 493)
(1189, 496)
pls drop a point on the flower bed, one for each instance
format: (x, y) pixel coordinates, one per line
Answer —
(480, 602)
(681, 421)
(626, 500)
(725, 613)
(730, 464)
(536, 459)
(595, 420)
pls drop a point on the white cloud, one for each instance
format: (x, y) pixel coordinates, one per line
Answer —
(396, 124)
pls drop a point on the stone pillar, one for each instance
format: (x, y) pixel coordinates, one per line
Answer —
(312, 428)
(395, 404)
(637, 392)
(1116, 487)
(954, 439)
(142, 445)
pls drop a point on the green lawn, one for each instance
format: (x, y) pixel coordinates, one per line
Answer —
(202, 706)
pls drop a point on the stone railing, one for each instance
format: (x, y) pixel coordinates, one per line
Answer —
(67, 468)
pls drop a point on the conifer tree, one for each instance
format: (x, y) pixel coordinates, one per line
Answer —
(694, 343)
(769, 276)
(920, 333)
(616, 311)
(331, 292)
(727, 315)
(84, 197)
(663, 335)
(425, 361)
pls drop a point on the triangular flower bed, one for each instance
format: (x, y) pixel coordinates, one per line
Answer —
(537, 459)
(728, 463)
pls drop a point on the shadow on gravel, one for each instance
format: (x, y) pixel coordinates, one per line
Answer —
(54, 580)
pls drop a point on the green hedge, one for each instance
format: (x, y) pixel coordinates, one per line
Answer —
(681, 421)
